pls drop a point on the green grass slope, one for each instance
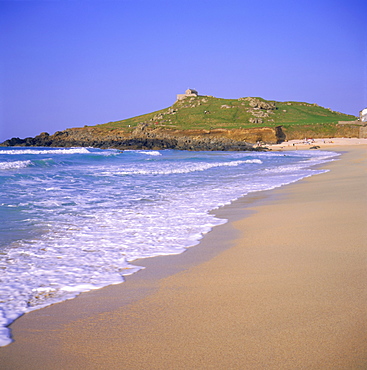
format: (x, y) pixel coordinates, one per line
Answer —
(207, 112)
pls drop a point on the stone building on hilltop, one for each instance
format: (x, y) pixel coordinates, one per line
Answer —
(188, 93)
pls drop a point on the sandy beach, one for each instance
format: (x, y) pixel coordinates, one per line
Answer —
(282, 285)
(322, 144)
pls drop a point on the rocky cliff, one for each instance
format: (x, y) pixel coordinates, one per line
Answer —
(146, 136)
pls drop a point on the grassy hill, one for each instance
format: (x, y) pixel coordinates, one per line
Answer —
(207, 113)
(206, 123)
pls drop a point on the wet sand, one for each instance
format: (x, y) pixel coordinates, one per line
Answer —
(281, 286)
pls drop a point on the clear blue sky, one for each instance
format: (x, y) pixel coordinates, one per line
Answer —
(74, 63)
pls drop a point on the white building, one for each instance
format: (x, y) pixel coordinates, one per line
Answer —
(363, 115)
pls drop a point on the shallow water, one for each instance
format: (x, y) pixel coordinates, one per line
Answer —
(75, 219)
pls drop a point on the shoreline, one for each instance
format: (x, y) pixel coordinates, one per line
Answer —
(142, 314)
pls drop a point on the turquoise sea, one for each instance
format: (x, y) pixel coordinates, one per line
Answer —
(75, 219)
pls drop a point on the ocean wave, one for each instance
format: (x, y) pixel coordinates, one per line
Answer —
(149, 152)
(14, 165)
(186, 169)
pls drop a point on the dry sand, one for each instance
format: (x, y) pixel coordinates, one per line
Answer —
(317, 143)
(282, 286)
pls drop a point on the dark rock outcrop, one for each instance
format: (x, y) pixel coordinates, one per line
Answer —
(150, 136)
(143, 137)
(280, 135)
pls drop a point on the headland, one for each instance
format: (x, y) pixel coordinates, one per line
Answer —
(196, 122)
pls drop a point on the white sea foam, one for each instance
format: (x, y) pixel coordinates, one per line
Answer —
(14, 165)
(171, 169)
(45, 151)
(149, 152)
